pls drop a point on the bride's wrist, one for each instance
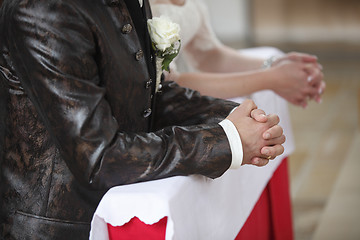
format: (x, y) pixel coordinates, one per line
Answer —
(268, 62)
(271, 79)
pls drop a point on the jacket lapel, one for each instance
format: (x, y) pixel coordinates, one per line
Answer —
(147, 9)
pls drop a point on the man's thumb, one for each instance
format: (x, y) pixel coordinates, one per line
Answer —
(247, 106)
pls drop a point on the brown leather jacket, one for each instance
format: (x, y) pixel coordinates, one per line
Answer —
(79, 115)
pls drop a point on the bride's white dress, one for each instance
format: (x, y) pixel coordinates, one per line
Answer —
(196, 207)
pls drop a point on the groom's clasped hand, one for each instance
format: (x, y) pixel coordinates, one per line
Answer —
(261, 136)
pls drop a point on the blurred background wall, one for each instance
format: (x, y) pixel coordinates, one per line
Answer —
(286, 21)
(325, 167)
(306, 20)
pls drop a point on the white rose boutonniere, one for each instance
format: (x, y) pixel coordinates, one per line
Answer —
(165, 39)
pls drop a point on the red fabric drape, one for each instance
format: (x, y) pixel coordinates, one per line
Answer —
(137, 230)
(271, 218)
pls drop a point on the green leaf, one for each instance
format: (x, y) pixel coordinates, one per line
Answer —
(167, 61)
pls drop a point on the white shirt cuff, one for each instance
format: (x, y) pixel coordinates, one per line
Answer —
(234, 141)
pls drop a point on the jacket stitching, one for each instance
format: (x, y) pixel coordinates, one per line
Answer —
(49, 219)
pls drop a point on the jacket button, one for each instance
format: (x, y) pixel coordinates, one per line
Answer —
(139, 55)
(147, 113)
(127, 28)
(148, 83)
(151, 58)
(113, 3)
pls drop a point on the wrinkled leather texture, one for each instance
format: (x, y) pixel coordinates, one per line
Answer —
(72, 124)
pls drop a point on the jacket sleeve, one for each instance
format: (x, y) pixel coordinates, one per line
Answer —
(182, 106)
(53, 52)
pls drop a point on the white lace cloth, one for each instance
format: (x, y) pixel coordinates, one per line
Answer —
(196, 207)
